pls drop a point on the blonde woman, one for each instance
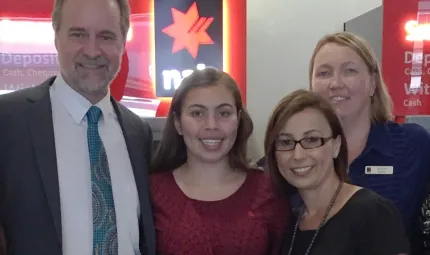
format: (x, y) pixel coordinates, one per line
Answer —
(389, 158)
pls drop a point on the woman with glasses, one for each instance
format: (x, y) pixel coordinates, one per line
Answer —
(307, 154)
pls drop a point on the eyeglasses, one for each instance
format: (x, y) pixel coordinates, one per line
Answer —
(306, 143)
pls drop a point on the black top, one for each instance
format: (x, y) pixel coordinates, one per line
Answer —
(367, 225)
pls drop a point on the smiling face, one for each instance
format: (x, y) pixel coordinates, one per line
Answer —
(89, 44)
(341, 75)
(306, 168)
(208, 123)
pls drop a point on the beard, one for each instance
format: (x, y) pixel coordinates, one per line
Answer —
(91, 75)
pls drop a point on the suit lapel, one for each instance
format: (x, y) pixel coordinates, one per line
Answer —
(136, 153)
(39, 116)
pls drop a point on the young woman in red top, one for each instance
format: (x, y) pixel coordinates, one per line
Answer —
(207, 200)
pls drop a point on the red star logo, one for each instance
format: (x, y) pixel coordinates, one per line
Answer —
(189, 30)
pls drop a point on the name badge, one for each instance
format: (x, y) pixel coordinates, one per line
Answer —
(379, 170)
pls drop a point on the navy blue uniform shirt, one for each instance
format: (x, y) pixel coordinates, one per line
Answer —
(405, 148)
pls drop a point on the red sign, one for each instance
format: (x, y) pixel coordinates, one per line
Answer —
(406, 55)
(28, 55)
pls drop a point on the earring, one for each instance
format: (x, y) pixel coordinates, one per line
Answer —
(336, 154)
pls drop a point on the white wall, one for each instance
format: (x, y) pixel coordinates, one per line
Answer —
(281, 37)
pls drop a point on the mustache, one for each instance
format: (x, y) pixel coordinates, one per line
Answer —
(96, 61)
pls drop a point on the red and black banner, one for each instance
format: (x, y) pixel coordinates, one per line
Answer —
(188, 36)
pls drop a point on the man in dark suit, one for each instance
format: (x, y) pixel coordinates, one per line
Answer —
(73, 161)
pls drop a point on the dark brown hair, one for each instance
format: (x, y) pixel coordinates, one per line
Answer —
(294, 103)
(172, 152)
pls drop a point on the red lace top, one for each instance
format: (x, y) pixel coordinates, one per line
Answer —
(249, 222)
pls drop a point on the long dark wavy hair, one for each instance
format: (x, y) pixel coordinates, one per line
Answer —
(171, 152)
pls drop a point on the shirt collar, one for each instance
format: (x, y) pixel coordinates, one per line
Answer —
(379, 139)
(75, 103)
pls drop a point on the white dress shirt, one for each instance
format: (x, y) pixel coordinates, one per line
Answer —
(69, 110)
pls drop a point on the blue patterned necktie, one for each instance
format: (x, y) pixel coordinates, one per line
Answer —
(105, 240)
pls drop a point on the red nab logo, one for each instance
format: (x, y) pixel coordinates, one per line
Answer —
(189, 30)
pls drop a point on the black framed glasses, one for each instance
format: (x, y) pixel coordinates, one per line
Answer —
(286, 144)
